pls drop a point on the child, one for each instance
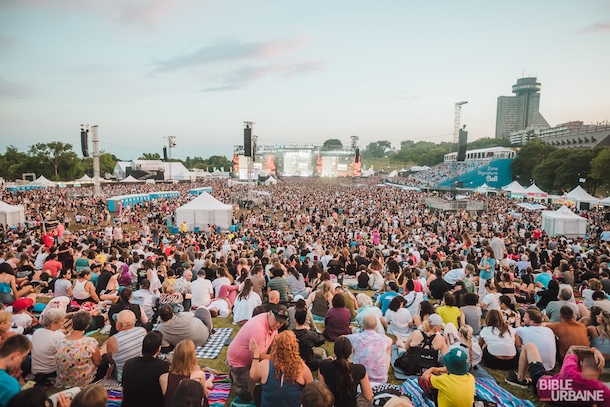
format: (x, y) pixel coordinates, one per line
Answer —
(22, 318)
(12, 355)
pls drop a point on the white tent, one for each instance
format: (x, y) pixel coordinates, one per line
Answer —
(84, 179)
(563, 222)
(417, 168)
(534, 192)
(11, 215)
(515, 188)
(578, 194)
(42, 180)
(393, 174)
(270, 181)
(203, 211)
(130, 179)
(483, 189)
(605, 202)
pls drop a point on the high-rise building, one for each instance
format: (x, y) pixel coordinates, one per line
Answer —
(520, 112)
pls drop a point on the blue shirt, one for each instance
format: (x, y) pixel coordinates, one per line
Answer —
(9, 386)
(385, 299)
(544, 279)
(492, 268)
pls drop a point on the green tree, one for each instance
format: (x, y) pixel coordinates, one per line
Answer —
(107, 163)
(487, 142)
(150, 156)
(599, 167)
(332, 144)
(59, 155)
(545, 172)
(576, 166)
(13, 163)
(528, 157)
(219, 161)
(377, 149)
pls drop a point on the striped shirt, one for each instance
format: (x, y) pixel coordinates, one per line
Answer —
(129, 345)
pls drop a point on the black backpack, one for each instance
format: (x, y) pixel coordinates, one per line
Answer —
(418, 358)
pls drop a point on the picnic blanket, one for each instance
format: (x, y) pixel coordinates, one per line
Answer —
(214, 345)
(485, 389)
(218, 396)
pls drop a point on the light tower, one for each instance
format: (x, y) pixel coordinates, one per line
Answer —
(170, 144)
(355, 142)
(96, 156)
(457, 121)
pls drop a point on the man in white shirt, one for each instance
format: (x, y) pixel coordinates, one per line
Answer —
(220, 308)
(202, 290)
(145, 298)
(541, 336)
(44, 344)
(41, 257)
(455, 275)
(497, 243)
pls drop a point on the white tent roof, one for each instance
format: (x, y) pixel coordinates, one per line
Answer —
(84, 178)
(393, 174)
(205, 201)
(417, 168)
(11, 215)
(130, 179)
(531, 206)
(5, 207)
(42, 180)
(605, 201)
(514, 188)
(533, 189)
(562, 213)
(580, 195)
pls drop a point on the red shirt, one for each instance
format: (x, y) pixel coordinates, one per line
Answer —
(53, 266)
(48, 240)
(238, 354)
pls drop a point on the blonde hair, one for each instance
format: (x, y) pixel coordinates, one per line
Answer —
(184, 361)
(398, 402)
(5, 316)
(467, 333)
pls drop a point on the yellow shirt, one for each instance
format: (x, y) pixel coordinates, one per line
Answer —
(454, 390)
(450, 314)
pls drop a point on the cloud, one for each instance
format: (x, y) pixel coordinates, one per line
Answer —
(12, 90)
(230, 50)
(242, 78)
(595, 28)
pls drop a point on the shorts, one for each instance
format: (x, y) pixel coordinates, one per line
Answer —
(536, 370)
(500, 364)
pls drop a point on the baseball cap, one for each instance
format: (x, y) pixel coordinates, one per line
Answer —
(456, 362)
(298, 297)
(435, 320)
(22, 303)
(186, 265)
(281, 313)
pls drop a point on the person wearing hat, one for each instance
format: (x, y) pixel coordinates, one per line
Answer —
(451, 385)
(430, 333)
(262, 329)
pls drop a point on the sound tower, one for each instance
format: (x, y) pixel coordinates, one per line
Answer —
(164, 153)
(84, 142)
(248, 142)
(357, 159)
(463, 141)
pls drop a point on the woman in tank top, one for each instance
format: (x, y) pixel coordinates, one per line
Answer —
(83, 289)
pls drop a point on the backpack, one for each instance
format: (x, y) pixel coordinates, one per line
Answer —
(418, 358)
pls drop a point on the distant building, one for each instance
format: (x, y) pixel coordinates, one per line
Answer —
(573, 134)
(520, 112)
(152, 170)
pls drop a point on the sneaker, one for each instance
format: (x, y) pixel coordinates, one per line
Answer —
(514, 381)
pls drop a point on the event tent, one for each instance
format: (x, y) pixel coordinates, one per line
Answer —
(563, 222)
(270, 181)
(203, 211)
(393, 174)
(11, 215)
(84, 179)
(579, 195)
(514, 188)
(130, 179)
(42, 180)
(534, 192)
(604, 202)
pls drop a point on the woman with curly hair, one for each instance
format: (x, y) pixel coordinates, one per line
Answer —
(283, 375)
(343, 377)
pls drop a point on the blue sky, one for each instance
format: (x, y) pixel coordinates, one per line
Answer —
(304, 72)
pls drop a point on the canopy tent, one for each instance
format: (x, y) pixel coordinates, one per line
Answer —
(84, 179)
(393, 174)
(604, 202)
(579, 195)
(11, 215)
(203, 211)
(531, 206)
(129, 179)
(367, 173)
(270, 181)
(42, 180)
(483, 189)
(418, 168)
(534, 192)
(515, 188)
(563, 222)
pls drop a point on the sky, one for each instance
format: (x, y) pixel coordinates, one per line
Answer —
(303, 72)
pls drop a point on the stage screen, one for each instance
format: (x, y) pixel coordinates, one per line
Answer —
(297, 164)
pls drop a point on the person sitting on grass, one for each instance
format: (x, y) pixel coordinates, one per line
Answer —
(581, 368)
(451, 385)
(337, 319)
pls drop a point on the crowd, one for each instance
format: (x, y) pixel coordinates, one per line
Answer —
(443, 172)
(457, 292)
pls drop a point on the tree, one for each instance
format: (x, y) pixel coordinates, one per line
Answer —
(13, 163)
(57, 154)
(576, 166)
(528, 157)
(332, 144)
(150, 156)
(378, 149)
(545, 172)
(600, 165)
(107, 163)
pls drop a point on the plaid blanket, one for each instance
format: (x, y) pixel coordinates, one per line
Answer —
(214, 345)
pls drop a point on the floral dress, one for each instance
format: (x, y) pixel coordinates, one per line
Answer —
(75, 362)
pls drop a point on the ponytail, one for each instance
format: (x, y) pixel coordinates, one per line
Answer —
(344, 380)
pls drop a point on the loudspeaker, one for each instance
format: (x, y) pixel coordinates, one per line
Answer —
(164, 153)
(463, 141)
(248, 142)
(357, 159)
(84, 142)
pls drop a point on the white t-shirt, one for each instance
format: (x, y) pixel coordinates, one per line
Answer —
(219, 282)
(223, 307)
(44, 348)
(492, 301)
(499, 346)
(398, 322)
(455, 275)
(202, 291)
(23, 320)
(544, 339)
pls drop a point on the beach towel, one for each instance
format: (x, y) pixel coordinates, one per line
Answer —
(214, 345)
(485, 389)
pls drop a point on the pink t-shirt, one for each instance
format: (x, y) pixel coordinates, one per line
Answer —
(569, 387)
(238, 354)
